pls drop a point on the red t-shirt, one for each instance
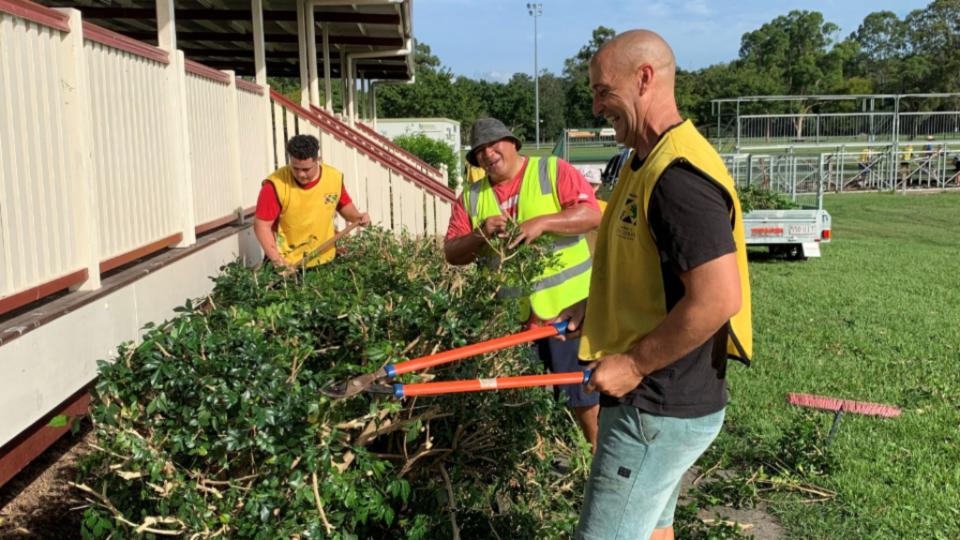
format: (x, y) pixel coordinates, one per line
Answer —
(572, 189)
(268, 204)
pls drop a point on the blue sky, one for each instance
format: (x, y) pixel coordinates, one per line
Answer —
(493, 39)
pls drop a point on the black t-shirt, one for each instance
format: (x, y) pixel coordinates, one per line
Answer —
(689, 218)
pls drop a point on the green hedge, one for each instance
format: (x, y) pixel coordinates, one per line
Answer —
(215, 426)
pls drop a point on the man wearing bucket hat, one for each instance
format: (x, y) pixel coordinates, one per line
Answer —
(545, 196)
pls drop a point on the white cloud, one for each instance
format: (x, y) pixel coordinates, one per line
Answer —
(658, 9)
(697, 7)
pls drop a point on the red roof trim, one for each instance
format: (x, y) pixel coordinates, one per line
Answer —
(249, 86)
(112, 39)
(36, 13)
(124, 258)
(206, 72)
(22, 298)
(364, 144)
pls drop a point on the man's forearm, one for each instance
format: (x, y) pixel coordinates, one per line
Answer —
(685, 328)
(268, 242)
(712, 298)
(351, 213)
(463, 249)
(578, 219)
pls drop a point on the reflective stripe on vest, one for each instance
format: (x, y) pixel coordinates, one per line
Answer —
(563, 283)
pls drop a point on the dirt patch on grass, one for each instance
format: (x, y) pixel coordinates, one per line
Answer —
(755, 522)
(39, 503)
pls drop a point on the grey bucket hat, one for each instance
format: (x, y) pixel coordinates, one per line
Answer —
(486, 131)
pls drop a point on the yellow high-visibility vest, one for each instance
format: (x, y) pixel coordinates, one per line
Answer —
(306, 215)
(563, 283)
(627, 298)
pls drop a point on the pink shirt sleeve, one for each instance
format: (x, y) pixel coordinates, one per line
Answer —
(573, 188)
(459, 221)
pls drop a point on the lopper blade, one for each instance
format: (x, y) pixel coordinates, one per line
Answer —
(354, 386)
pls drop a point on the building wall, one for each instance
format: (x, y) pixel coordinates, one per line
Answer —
(439, 129)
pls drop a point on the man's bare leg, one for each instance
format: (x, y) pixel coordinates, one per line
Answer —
(665, 533)
(587, 417)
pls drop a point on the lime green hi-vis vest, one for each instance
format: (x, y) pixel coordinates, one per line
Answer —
(567, 280)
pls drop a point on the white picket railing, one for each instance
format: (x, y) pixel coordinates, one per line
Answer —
(132, 177)
(111, 149)
(39, 224)
(256, 150)
(388, 145)
(396, 194)
(214, 149)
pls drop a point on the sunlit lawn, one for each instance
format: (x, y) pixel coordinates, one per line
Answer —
(877, 318)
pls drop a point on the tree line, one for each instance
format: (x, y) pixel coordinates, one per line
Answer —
(799, 53)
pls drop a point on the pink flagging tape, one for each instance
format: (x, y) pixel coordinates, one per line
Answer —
(845, 405)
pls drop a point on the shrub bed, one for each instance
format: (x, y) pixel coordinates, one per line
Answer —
(214, 425)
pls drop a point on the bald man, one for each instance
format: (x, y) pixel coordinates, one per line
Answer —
(669, 297)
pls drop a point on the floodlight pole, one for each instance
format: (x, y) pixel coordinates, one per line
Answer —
(536, 10)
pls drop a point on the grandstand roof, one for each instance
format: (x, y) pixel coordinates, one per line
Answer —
(219, 33)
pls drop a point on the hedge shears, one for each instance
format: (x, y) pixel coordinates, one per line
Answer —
(374, 382)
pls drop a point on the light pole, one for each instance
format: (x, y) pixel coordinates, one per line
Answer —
(536, 10)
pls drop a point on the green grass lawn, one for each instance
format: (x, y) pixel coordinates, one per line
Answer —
(877, 318)
(530, 149)
(596, 153)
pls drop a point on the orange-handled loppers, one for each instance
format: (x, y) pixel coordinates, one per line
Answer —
(365, 383)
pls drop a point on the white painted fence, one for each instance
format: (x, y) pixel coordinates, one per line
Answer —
(397, 194)
(40, 226)
(214, 134)
(133, 179)
(256, 145)
(112, 149)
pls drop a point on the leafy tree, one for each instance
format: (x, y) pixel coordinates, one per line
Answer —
(576, 72)
(432, 151)
(553, 105)
(518, 97)
(931, 62)
(434, 94)
(795, 50)
(881, 38)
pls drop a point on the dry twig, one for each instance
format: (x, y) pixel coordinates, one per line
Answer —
(316, 497)
(451, 507)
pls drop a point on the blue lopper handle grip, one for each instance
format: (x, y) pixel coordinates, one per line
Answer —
(586, 375)
(561, 327)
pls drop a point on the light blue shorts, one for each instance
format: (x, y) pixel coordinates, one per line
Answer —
(635, 477)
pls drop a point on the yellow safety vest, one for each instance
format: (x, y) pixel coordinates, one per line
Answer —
(592, 235)
(627, 299)
(306, 215)
(563, 283)
(474, 174)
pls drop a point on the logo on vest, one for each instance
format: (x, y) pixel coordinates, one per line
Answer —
(331, 198)
(629, 215)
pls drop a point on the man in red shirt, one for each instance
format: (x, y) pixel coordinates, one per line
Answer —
(296, 205)
(545, 196)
